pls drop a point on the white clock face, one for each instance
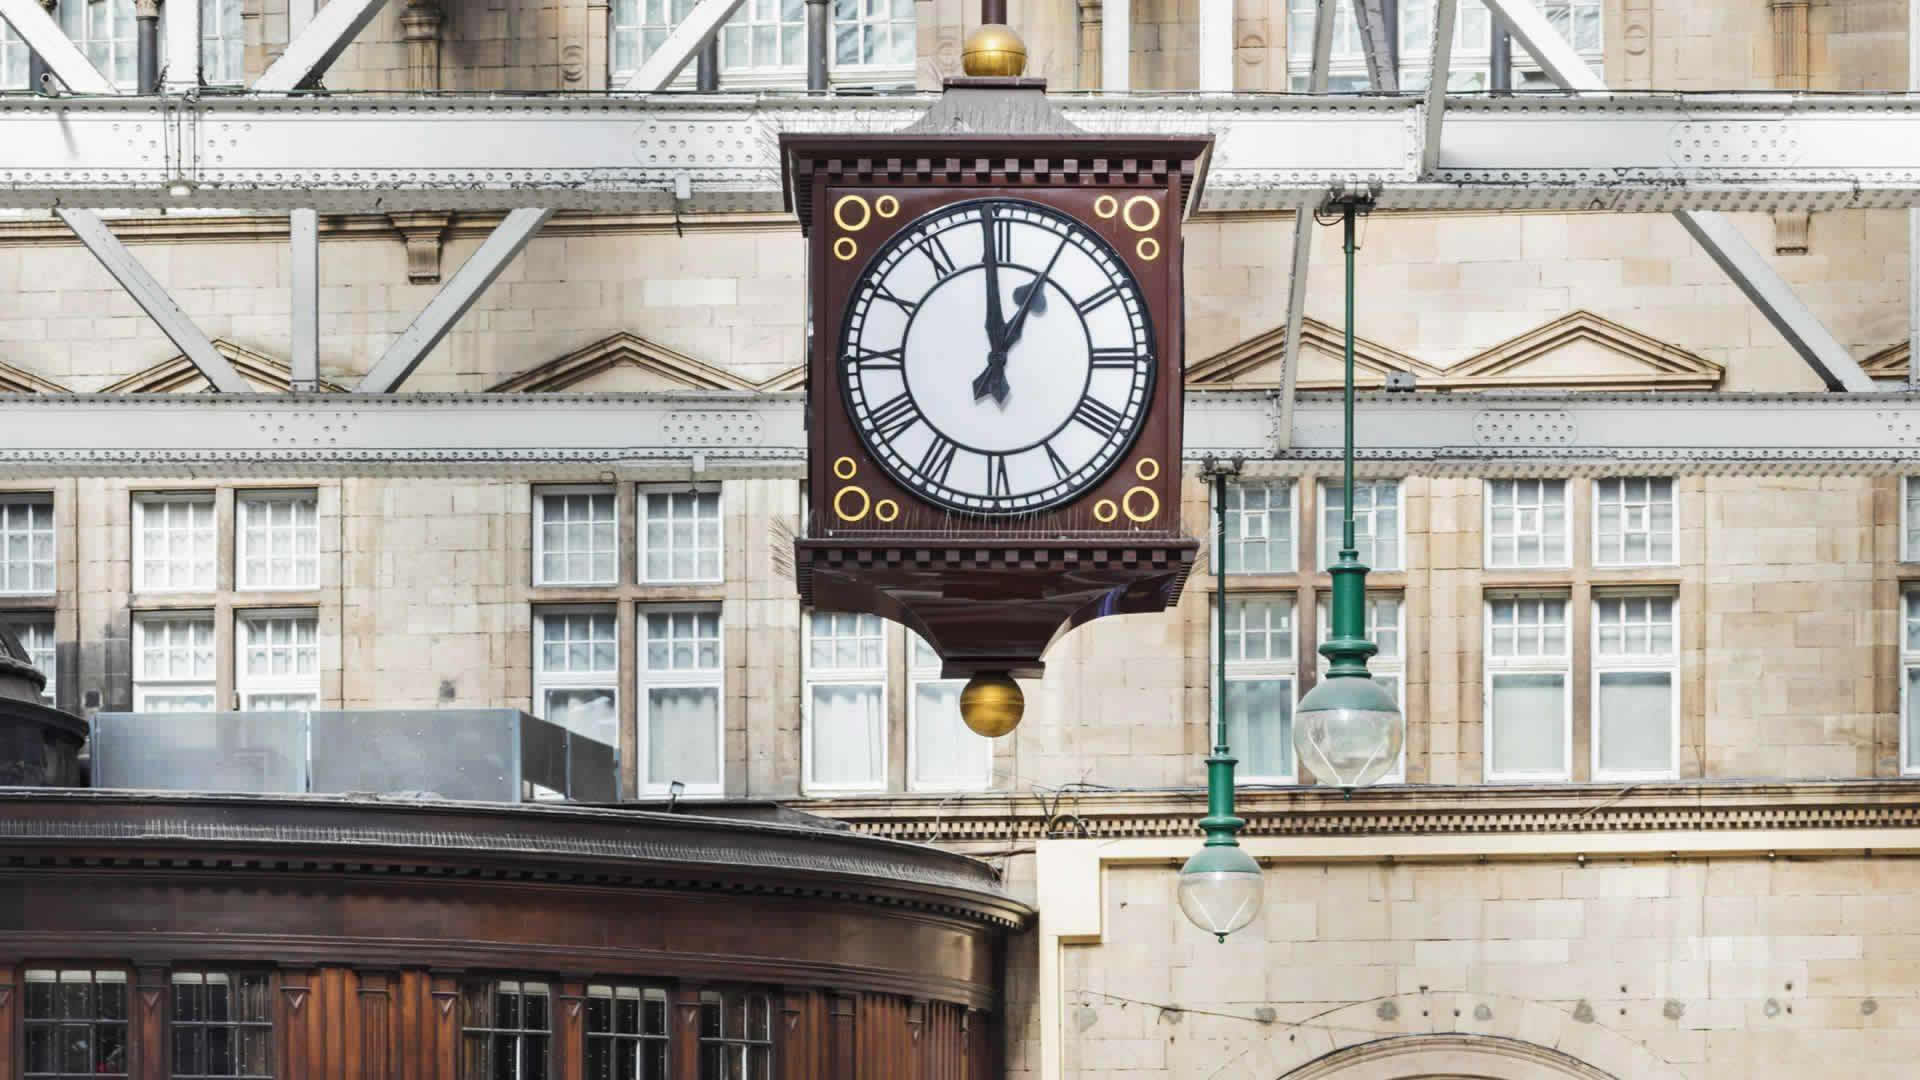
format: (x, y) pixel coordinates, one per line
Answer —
(997, 357)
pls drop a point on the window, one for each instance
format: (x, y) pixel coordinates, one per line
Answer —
(173, 543)
(576, 672)
(173, 663)
(1260, 533)
(575, 537)
(1633, 520)
(1910, 685)
(26, 544)
(1260, 685)
(1468, 68)
(873, 33)
(680, 707)
(626, 1033)
(845, 743)
(1910, 521)
(1386, 628)
(36, 635)
(223, 43)
(1376, 523)
(76, 1023)
(1526, 523)
(1529, 721)
(505, 1031)
(222, 1025)
(278, 663)
(279, 541)
(13, 59)
(765, 41)
(103, 29)
(679, 536)
(947, 755)
(736, 1036)
(1635, 707)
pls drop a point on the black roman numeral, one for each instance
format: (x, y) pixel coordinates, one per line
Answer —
(880, 293)
(937, 254)
(937, 462)
(998, 484)
(881, 360)
(1002, 237)
(1111, 292)
(894, 416)
(1115, 358)
(1099, 416)
(1060, 469)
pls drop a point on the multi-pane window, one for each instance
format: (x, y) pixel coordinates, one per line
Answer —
(680, 700)
(174, 545)
(223, 43)
(1260, 533)
(279, 541)
(679, 536)
(13, 59)
(945, 754)
(35, 632)
(1633, 520)
(1910, 683)
(766, 40)
(640, 27)
(1526, 523)
(75, 1024)
(1528, 715)
(765, 35)
(576, 538)
(845, 742)
(1260, 685)
(277, 664)
(506, 1027)
(1386, 628)
(1635, 702)
(173, 663)
(576, 672)
(1468, 61)
(221, 1025)
(1376, 523)
(26, 544)
(872, 33)
(103, 29)
(626, 1033)
(1910, 521)
(736, 1035)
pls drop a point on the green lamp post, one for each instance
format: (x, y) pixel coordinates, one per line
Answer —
(1348, 729)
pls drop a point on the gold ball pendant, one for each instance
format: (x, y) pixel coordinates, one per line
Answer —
(991, 704)
(993, 50)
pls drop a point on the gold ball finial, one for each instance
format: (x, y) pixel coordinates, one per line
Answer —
(991, 704)
(993, 49)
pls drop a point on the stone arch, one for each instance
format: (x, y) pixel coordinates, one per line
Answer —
(1446, 1057)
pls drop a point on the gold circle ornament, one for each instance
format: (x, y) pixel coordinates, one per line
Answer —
(886, 510)
(866, 502)
(1141, 200)
(1148, 248)
(993, 50)
(1126, 504)
(1106, 206)
(991, 704)
(840, 213)
(1105, 511)
(844, 467)
(886, 206)
(852, 249)
(1147, 468)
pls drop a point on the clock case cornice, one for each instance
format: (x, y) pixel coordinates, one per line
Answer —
(990, 594)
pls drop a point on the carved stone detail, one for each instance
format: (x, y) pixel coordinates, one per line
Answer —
(1792, 45)
(424, 233)
(420, 26)
(1790, 231)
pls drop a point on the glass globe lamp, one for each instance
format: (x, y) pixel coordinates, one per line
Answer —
(1220, 889)
(1348, 730)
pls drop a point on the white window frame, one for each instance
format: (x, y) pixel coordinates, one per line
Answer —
(1292, 537)
(147, 686)
(1330, 531)
(43, 655)
(141, 502)
(677, 679)
(1673, 541)
(242, 554)
(215, 42)
(1379, 663)
(735, 76)
(84, 39)
(853, 676)
(1566, 522)
(1561, 665)
(1625, 663)
(1909, 661)
(642, 493)
(1471, 55)
(922, 671)
(1287, 668)
(540, 495)
(607, 679)
(1909, 493)
(13, 59)
(249, 688)
(8, 502)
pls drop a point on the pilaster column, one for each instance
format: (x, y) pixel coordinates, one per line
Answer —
(420, 26)
(1792, 64)
(1089, 67)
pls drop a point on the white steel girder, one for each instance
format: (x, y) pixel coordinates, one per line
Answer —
(729, 433)
(44, 36)
(349, 153)
(314, 49)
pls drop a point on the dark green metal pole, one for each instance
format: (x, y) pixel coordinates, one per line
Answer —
(1220, 824)
(1347, 649)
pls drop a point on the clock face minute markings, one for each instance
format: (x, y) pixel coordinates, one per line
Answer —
(1075, 369)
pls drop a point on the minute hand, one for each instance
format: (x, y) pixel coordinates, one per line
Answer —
(1035, 288)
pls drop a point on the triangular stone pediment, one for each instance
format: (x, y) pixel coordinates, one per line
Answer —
(1889, 363)
(794, 378)
(1254, 364)
(178, 375)
(621, 362)
(15, 380)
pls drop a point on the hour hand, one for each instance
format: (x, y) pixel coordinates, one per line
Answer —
(993, 380)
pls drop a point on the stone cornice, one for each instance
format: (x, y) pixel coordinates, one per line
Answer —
(1411, 810)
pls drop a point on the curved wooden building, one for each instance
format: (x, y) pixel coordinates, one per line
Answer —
(161, 935)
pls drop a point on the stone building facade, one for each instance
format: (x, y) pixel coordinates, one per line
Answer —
(1653, 819)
